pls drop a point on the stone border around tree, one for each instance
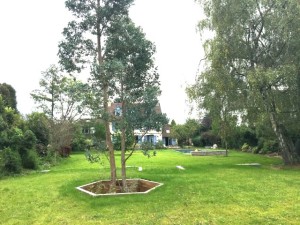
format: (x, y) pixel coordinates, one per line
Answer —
(143, 187)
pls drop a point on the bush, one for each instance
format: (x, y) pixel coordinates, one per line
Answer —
(269, 146)
(208, 138)
(255, 150)
(197, 141)
(78, 143)
(39, 124)
(31, 160)
(10, 161)
(29, 139)
(129, 140)
(159, 145)
(245, 148)
(147, 146)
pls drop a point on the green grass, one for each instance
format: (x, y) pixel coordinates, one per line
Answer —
(212, 190)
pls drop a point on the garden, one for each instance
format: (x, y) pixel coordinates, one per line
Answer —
(208, 190)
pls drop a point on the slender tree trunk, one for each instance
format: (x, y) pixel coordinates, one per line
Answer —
(289, 154)
(123, 143)
(123, 159)
(112, 161)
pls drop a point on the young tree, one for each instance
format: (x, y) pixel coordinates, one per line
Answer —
(253, 64)
(135, 81)
(84, 45)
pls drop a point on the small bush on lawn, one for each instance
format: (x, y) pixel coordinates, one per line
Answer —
(10, 161)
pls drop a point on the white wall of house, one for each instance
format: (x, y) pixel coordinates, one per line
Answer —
(152, 136)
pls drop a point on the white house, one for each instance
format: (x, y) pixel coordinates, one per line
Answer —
(152, 136)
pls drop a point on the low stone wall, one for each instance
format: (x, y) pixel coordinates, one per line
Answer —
(206, 153)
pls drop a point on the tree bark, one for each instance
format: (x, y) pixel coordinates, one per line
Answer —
(123, 159)
(112, 161)
(289, 154)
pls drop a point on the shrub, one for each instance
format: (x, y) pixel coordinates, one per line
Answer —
(29, 139)
(160, 145)
(10, 161)
(78, 143)
(129, 140)
(245, 148)
(208, 138)
(255, 150)
(147, 146)
(197, 141)
(31, 160)
(269, 146)
(65, 151)
(39, 124)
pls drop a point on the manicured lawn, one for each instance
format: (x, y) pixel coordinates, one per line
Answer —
(212, 190)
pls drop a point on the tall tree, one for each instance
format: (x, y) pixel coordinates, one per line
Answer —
(84, 45)
(253, 65)
(63, 99)
(135, 83)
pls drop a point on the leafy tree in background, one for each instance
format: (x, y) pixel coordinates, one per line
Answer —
(40, 125)
(173, 123)
(185, 132)
(252, 66)
(8, 95)
(17, 142)
(63, 99)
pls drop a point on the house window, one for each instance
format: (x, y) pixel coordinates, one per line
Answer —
(113, 126)
(118, 111)
(92, 130)
(150, 138)
(85, 130)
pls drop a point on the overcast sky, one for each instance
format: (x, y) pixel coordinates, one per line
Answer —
(31, 30)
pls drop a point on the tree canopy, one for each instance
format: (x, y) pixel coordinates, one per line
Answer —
(103, 38)
(252, 66)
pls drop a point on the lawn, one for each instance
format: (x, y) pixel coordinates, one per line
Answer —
(211, 190)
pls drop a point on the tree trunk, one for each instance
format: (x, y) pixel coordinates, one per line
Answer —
(123, 159)
(112, 161)
(289, 154)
